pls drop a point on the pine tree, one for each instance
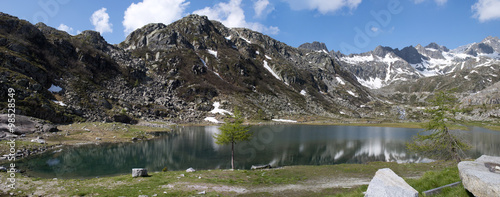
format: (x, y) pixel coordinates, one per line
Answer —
(440, 143)
(232, 132)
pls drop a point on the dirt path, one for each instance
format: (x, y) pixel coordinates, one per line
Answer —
(316, 185)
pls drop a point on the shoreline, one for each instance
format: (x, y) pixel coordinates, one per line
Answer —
(297, 180)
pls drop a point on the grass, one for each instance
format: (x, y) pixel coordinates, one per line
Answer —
(296, 181)
(88, 132)
(434, 179)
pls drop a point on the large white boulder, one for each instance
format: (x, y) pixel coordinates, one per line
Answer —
(387, 183)
(139, 172)
(481, 177)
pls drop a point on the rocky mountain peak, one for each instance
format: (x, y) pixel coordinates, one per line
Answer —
(478, 48)
(192, 31)
(382, 51)
(316, 46)
(94, 38)
(410, 54)
(433, 45)
(490, 39)
(494, 42)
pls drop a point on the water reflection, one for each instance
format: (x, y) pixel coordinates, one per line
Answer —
(279, 145)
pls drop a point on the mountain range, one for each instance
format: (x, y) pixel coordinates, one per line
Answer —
(195, 70)
(384, 65)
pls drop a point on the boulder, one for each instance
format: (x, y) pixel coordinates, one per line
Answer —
(25, 125)
(38, 140)
(387, 183)
(257, 167)
(190, 170)
(480, 177)
(139, 172)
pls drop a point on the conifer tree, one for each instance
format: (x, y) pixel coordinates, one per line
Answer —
(232, 132)
(440, 143)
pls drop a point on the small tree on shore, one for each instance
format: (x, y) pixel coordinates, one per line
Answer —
(440, 143)
(232, 132)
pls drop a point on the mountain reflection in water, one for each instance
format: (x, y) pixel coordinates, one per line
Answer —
(278, 145)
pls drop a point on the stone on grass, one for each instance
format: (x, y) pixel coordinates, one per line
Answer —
(258, 167)
(139, 172)
(387, 183)
(479, 177)
(190, 170)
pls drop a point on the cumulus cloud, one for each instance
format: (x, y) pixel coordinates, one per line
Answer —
(152, 11)
(232, 15)
(439, 2)
(100, 20)
(323, 6)
(262, 8)
(486, 10)
(66, 28)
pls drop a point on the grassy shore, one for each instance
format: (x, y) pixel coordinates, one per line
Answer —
(327, 180)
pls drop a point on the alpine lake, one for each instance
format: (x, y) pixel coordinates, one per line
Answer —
(277, 145)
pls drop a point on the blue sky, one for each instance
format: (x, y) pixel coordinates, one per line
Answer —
(351, 26)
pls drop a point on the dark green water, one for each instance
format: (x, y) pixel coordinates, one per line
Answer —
(279, 145)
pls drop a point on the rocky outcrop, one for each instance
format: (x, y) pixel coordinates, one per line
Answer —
(389, 184)
(25, 125)
(315, 46)
(480, 177)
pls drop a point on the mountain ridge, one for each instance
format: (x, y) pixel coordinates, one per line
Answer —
(181, 71)
(177, 72)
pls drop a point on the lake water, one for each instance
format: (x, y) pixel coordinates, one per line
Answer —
(278, 145)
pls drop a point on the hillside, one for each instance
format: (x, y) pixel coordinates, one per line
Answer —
(173, 72)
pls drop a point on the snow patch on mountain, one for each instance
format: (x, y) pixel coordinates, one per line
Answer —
(352, 93)
(341, 82)
(214, 53)
(218, 110)
(372, 83)
(303, 92)
(358, 59)
(268, 68)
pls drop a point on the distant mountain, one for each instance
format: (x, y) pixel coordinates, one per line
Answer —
(384, 65)
(176, 72)
(315, 46)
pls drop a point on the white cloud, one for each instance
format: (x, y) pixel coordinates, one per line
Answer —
(375, 29)
(262, 8)
(152, 11)
(100, 20)
(66, 28)
(485, 10)
(232, 15)
(439, 2)
(323, 6)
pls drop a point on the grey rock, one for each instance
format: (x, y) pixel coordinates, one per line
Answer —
(190, 170)
(25, 125)
(139, 172)
(257, 167)
(38, 140)
(387, 183)
(477, 177)
(316, 46)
